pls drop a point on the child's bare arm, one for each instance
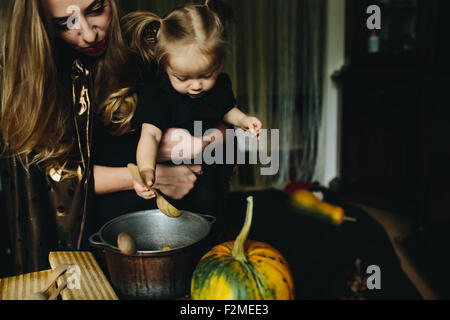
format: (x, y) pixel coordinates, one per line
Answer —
(237, 118)
(147, 151)
(234, 117)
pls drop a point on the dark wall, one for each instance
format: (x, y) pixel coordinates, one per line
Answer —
(394, 105)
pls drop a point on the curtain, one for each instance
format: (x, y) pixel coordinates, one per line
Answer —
(276, 58)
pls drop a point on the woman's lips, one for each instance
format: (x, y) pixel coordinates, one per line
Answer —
(97, 48)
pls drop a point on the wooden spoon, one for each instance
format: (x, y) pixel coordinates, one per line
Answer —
(44, 294)
(56, 293)
(163, 205)
(126, 244)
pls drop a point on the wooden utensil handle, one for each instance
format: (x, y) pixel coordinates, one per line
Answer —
(56, 293)
(134, 171)
(56, 273)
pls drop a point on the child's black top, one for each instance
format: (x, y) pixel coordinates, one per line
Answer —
(160, 105)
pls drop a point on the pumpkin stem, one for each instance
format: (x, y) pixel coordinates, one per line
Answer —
(238, 250)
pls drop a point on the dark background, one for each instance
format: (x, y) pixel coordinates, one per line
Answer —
(395, 111)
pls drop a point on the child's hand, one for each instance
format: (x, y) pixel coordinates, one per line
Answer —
(143, 192)
(252, 125)
(148, 175)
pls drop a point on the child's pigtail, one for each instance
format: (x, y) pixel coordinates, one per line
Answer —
(223, 10)
(141, 30)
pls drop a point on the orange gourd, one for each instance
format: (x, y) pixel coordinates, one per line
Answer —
(305, 200)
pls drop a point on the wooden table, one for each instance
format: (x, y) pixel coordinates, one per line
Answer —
(19, 287)
(85, 280)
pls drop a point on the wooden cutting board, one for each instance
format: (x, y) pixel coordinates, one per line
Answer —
(19, 287)
(87, 280)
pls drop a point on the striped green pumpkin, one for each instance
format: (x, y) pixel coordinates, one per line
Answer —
(242, 270)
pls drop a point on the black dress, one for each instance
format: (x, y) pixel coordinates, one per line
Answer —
(160, 105)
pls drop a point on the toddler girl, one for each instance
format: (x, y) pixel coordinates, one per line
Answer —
(189, 47)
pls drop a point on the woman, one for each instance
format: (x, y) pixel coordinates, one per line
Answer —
(62, 70)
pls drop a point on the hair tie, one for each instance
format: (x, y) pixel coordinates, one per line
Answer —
(161, 20)
(207, 3)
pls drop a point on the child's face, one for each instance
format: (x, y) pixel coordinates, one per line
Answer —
(191, 74)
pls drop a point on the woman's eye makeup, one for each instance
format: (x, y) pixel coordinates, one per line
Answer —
(61, 24)
(99, 8)
(95, 9)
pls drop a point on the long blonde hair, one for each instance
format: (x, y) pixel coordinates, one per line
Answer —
(36, 113)
(190, 24)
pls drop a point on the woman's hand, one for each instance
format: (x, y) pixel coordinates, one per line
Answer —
(179, 139)
(189, 147)
(176, 181)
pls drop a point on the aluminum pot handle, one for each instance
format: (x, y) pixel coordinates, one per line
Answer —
(210, 219)
(97, 244)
